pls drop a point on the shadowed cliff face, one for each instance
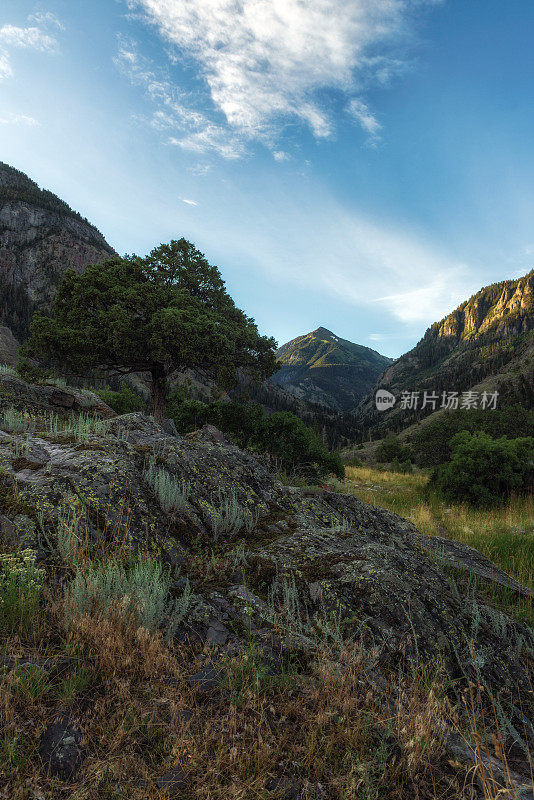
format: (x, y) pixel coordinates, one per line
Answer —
(40, 238)
(486, 343)
(322, 368)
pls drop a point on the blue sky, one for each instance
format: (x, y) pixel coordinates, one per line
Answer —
(364, 165)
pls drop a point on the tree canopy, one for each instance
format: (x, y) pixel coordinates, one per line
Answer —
(166, 312)
(485, 471)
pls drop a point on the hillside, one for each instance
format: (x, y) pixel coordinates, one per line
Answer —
(40, 237)
(486, 344)
(302, 625)
(322, 368)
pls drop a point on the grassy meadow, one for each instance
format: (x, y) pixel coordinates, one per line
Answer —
(504, 534)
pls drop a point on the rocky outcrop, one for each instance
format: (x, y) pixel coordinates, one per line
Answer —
(8, 347)
(503, 308)
(47, 398)
(309, 561)
(40, 237)
(60, 749)
(322, 368)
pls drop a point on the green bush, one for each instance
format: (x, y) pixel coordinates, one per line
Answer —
(391, 449)
(297, 448)
(241, 422)
(401, 466)
(29, 372)
(353, 461)
(21, 586)
(485, 471)
(282, 435)
(432, 442)
(123, 401)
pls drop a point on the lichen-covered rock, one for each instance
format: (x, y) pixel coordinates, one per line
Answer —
(380, 586)
(60, 748)
(48, 398)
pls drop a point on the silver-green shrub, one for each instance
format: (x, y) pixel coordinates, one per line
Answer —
(172, 494)
(228, 517)
(139, 589)
(69, 523)
(16, 421)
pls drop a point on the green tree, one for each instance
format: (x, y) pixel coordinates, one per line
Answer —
(166, 312)
(485, 471)
(298, 448)
(392, 448)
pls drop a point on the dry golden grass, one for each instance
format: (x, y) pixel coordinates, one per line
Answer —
(325, 727)
(504, 534)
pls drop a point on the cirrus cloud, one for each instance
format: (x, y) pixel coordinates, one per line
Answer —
(31, 37)
(266, 62)
(19, 119)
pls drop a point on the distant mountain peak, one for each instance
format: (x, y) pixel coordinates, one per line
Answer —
(323, 368)
(322, 332)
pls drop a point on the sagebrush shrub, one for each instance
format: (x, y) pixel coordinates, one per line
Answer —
(139, 590)
(16, 421)
(172, 494)
(229, 517)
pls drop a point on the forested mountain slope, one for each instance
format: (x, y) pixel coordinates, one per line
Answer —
(486, 344)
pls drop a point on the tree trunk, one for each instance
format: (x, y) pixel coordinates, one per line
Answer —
(159, 384)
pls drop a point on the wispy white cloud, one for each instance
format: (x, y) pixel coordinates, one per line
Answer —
(184, 126)
(369, 123)
(19, 119)
(46, 18)
(6, 70)
(312, 241)
(440, 293)
(265, 62)
(29, 38)
(188, 202)
(379, 337)
(199, 169)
